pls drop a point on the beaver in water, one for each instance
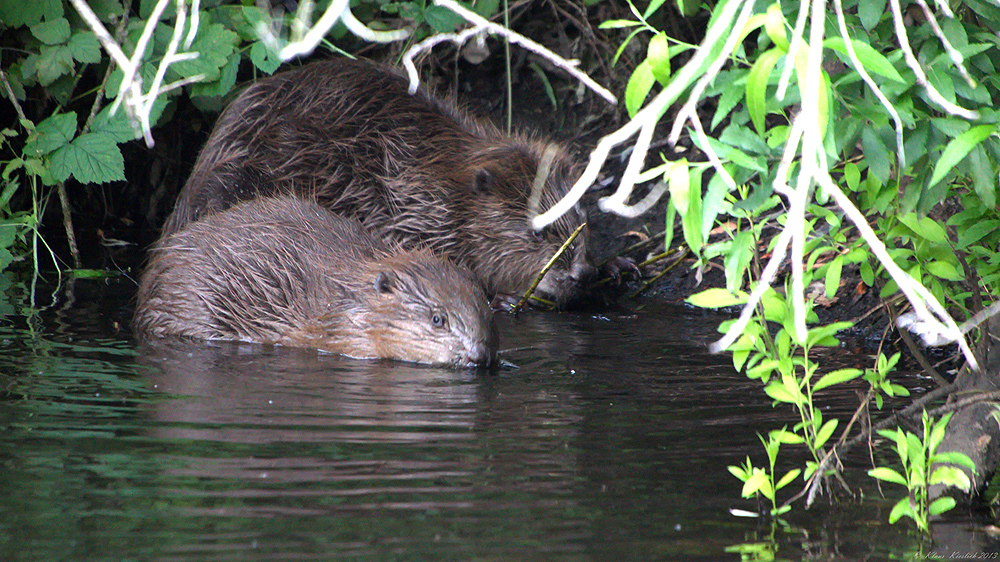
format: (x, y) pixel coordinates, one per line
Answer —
(413, 168)
(286, 271)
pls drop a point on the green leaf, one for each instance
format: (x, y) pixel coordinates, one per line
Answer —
(757, 80)
(852, 176)
(738, 472)
(691, 220)
(787, 478)
(442, 19)
(653, 6)
(786, 437)
(902, 508)
(887, 475)
(679, 182)
(950, 476)
(688, 7)
(486, 8)
(658, 55)
(85, 48)
(727, 101)
(53, 63)
(738, 259)
(976, 232)
(639, 85)
(117, 125)
(980, 167)
(872, 60)
(870, 12)
(784, 390)
(763, 370)
(618, 24)
(226, 81)
(263, 58)
(958, 148)
(941, 505)
(90, 158)
(825, 432)
(876, 155)
(758, 483)
(836, 377)
(15, 13)
(925, 227)
(832, 280)
(214, 43)
(52, 32)
(944, 270)
(52, 133)
(955, 457)
(774, 26)
(716, 298)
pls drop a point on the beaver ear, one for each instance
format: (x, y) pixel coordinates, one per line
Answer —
(384, 282)
(482, 180)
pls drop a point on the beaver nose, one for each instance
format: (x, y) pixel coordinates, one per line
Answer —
(480, 353)
(583, 272)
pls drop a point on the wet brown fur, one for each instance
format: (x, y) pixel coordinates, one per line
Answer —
(287, 271)
(414, 169)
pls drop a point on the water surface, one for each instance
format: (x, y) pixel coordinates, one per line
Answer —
(607, 442)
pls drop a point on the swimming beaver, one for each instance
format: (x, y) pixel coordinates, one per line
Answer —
(413, 168)
(285, 271)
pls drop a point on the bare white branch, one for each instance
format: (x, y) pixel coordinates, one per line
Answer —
(653, 110)
(139, 104)
(956, 57)
(306, 36)
(482, 25)
(860, 69)
(918, 71)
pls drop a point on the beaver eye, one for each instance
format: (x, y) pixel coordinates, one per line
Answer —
(438, 319)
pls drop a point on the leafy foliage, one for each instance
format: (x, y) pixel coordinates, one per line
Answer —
(923, 467)
(898, 158)
(74, 137)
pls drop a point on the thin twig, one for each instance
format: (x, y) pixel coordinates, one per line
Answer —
(482, 25)
(659, 275)
(562, 249)
(10, 94)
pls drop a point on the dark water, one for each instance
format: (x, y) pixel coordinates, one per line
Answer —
(609, 442)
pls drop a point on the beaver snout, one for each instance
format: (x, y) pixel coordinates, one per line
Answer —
(583, 273)
(480, 355)
(481, 348)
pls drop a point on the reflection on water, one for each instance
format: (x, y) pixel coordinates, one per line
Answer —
(608, 441)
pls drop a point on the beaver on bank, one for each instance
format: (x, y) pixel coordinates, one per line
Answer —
(286, 271)
(413, 168)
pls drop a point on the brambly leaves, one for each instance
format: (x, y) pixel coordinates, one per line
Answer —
(51, 134)
(90, 158)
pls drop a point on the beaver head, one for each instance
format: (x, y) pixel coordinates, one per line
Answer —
(418, 307)
(505, 249)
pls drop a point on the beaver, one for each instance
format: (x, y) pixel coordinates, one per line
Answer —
(415, 169)
(281, 270)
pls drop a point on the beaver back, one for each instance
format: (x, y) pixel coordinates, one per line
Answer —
(414, 169)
